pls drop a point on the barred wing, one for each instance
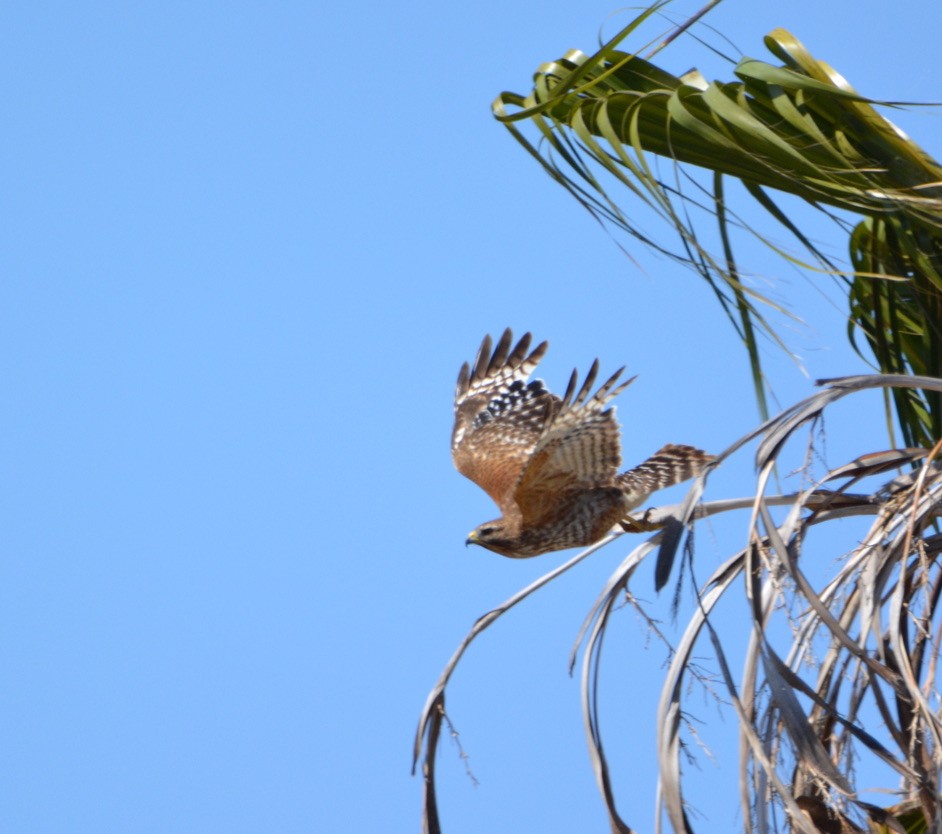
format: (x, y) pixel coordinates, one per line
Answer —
(499, 416)
(580, 449)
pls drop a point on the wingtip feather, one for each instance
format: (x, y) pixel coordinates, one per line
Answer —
(571, 387)
(587, 385)
(464, 380)
(501, 352)
(483, 358)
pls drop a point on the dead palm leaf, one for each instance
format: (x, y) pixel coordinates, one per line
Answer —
(863, 643)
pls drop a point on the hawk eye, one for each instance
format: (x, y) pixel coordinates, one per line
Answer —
(486, 531)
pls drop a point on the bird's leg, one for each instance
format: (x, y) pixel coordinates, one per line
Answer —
(639, 525)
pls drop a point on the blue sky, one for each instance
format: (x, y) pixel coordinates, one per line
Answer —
(245, 249)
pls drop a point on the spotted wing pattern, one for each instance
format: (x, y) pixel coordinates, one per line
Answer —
(670, 465)
(579, 449)
(499, 415)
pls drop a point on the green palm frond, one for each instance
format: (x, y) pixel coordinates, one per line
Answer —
(596, 123)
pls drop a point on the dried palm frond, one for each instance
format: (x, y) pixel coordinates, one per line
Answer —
(853, 676)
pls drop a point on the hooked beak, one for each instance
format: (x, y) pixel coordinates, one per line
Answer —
(472, 538)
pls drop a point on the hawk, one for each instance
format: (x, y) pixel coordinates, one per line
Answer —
(550, 464)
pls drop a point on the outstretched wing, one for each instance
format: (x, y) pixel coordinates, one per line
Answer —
(579, 449)
(499, 416)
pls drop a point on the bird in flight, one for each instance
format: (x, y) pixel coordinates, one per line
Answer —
(550, 464)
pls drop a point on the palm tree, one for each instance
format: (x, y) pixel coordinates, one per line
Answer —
(854, 678)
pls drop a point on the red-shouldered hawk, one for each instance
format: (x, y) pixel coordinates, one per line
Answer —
(550, 464)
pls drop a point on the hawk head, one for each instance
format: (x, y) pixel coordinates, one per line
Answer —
(496, 536)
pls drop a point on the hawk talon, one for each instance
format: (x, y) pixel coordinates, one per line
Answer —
(640, 525)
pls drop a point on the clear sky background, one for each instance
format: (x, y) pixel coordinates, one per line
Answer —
(244, 250)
